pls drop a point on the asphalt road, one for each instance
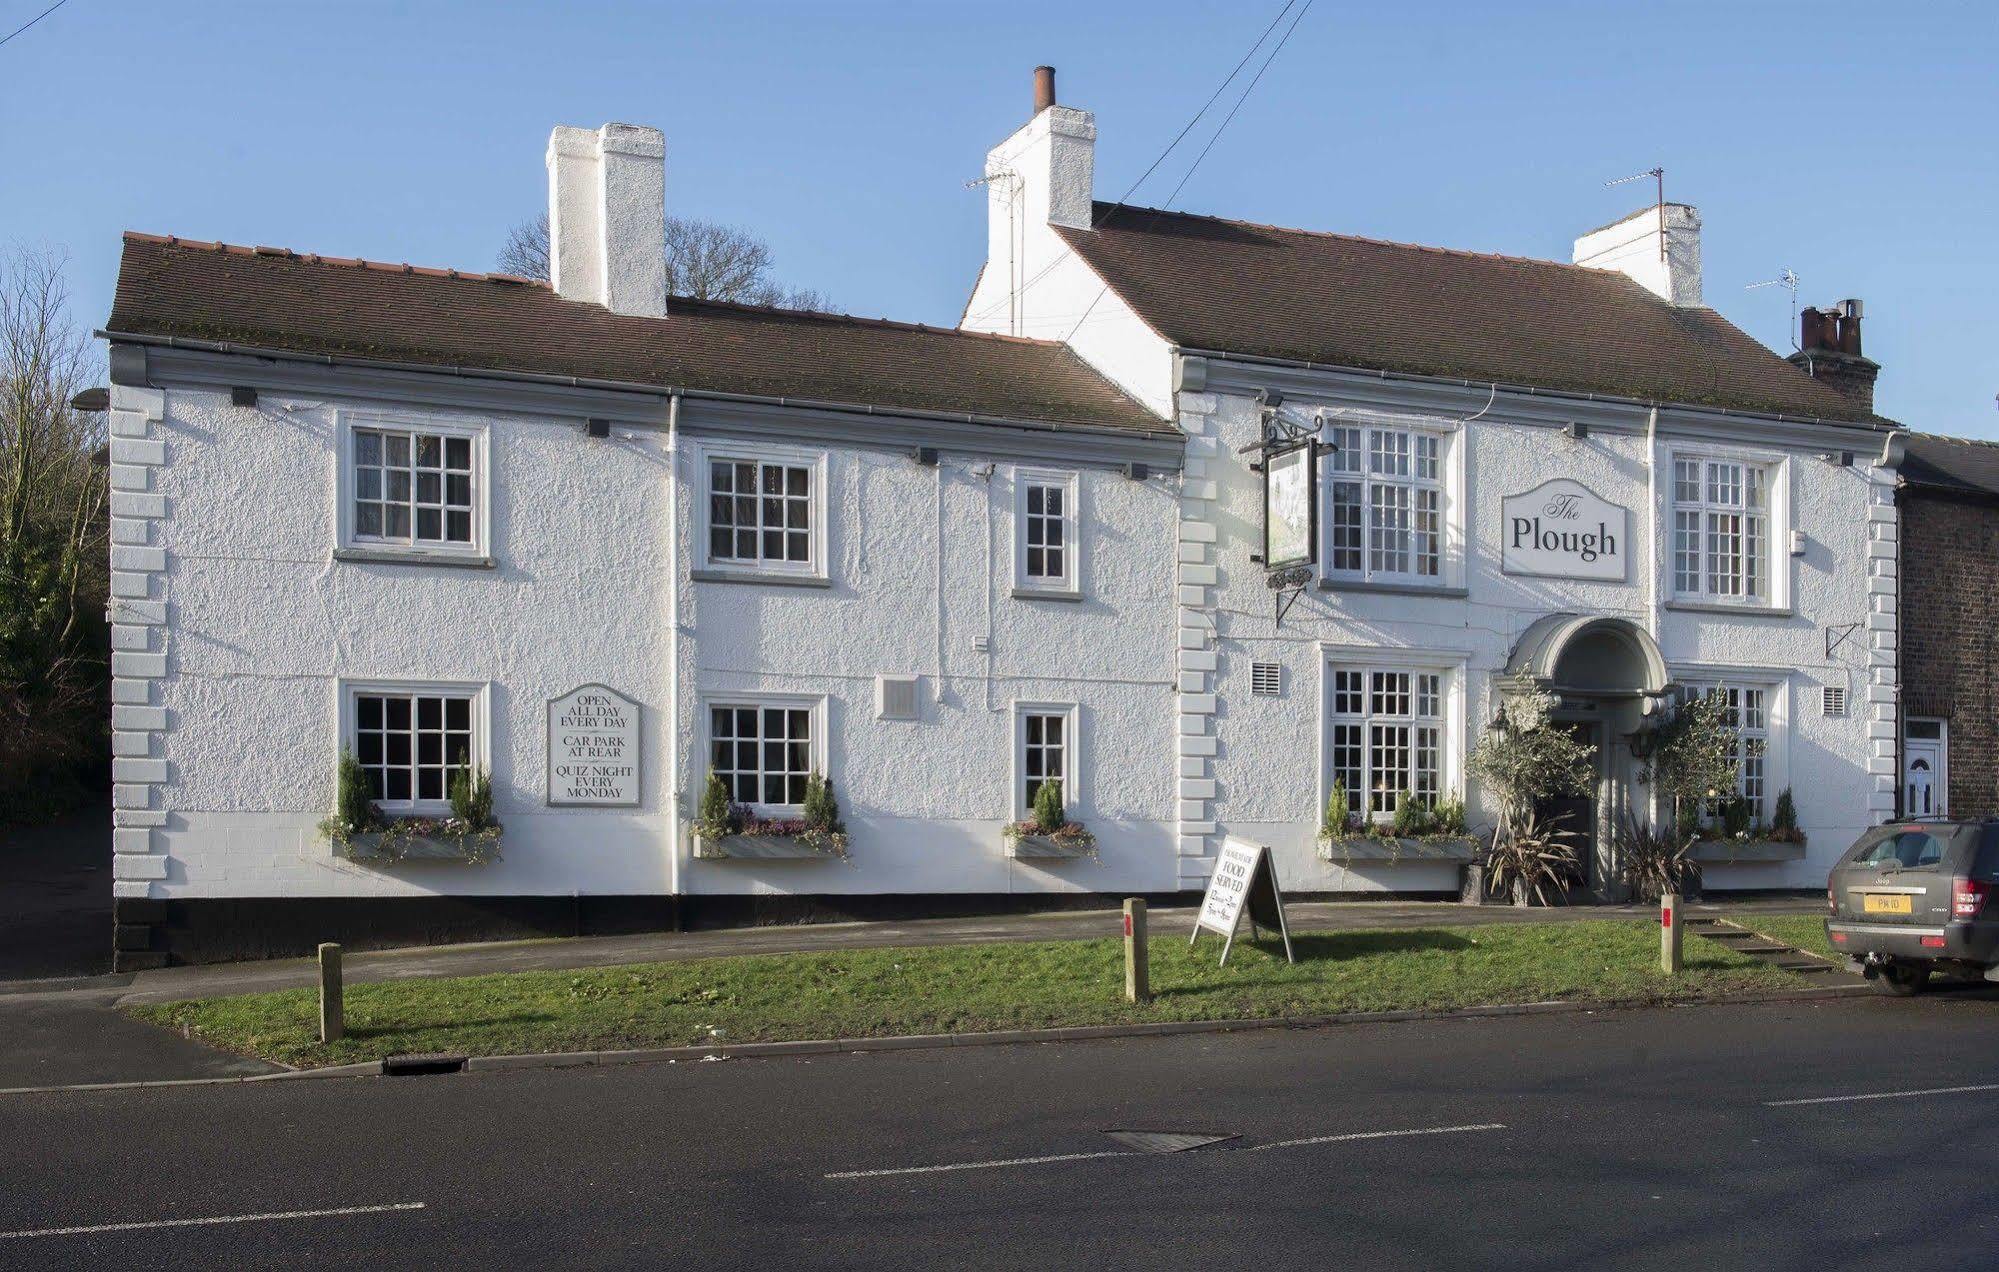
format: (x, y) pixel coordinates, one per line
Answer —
(1631, 1139)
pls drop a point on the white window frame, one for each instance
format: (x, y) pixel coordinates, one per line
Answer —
(815, 707)
(706, 455)
(1070, 483)
(478, 691)
(1448, 665)
(1447, 483)
(1775, 557)
(348, 422)
(1774, 685)
(1072, 756)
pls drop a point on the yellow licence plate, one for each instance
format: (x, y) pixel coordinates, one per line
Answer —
(1890, 903)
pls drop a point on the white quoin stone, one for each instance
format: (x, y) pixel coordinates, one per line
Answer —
(1631, 247)
(607, 217)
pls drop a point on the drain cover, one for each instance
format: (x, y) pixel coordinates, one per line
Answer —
(1168, 1141)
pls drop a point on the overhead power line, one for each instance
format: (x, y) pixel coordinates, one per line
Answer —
(1219, 130)
(31, 21)
(1181, 136)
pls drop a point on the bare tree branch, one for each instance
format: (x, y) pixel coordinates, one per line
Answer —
(704, 261)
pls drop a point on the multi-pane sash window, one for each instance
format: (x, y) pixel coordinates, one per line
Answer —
(1721, 529)
(411, 744)
(762, 753)
(1745, 712)
(1044, 753)
(1045, 540)
(412, 487)
(1384, 511)
(1387, 736)
(759, 513)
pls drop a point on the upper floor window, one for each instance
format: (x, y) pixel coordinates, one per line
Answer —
(412, 740)
(1384, 510)
(763, 511)
(1046, 546)
(418, 487)
(1387, 736)
(760, 514)
(1721, 529)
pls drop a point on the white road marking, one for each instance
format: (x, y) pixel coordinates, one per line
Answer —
(1372, 1135)
(1880, 1095)
(219, 1219)
(1086, 1157)
(1010, 1161)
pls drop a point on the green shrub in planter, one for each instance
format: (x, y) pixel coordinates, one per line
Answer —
(1049, 815)
(472, 797)
(1410, 819)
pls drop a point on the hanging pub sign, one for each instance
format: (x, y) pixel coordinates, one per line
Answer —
(1562, 530)
(593, 748)
(1290, 505)
(1245, 878)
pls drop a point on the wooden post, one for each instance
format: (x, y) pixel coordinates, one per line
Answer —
(1669, 934)
(1137, 973)
(332, 1000)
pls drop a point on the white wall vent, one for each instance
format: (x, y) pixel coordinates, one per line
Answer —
(1832, 700)
(1266, 679)
(895, 697)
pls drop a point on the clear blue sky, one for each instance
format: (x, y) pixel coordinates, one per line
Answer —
(1851, 143)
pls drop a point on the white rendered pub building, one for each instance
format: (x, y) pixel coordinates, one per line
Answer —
(603, 542)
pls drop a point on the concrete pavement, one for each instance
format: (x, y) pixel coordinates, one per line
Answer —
(1661, 1139)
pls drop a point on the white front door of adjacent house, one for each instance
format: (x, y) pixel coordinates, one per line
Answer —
(1923, 769)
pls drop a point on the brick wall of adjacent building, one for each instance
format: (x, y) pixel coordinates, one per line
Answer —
(1950, 635)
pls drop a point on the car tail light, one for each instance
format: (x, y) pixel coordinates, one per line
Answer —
(1967, 897)
(1932, 942)
(1839, 938)
(1831, 900)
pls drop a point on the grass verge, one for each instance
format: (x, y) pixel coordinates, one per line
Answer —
(968, 989)
(1805, 931)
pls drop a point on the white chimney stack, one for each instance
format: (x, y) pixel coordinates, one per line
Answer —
(1047, 170)
(607, 217)
(1658, 247)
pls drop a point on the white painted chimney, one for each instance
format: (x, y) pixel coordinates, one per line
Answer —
(1042, 176)
(607, 217)
(1662, 253)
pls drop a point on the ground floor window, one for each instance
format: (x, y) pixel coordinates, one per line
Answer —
(1044, 751)
(762, 751)
(412, 742)
(1387, 736)
(1746, 712)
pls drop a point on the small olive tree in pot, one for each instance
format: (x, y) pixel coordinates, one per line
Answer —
(1522, 759)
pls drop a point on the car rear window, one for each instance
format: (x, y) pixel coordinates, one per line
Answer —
(1986, 865)
(1909, 847)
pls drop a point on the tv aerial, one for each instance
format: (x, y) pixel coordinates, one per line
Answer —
(1789, 281)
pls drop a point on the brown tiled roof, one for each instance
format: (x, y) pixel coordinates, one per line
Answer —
(271, 298)
(1951, 463)
(1299, 295)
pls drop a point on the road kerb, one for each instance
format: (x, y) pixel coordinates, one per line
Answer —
(1007, 1037)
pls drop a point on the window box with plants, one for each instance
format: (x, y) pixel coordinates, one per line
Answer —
(1049, 834)
(728, 831)
(360, 831)
(1417, 831)
(1732, 835)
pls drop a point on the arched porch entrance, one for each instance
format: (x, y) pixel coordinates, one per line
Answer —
(1610, 677)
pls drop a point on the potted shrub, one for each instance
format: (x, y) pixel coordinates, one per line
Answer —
(359, 831)
(725, 829)
(1049, 832)
(1523, 759)
(1657, 861)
